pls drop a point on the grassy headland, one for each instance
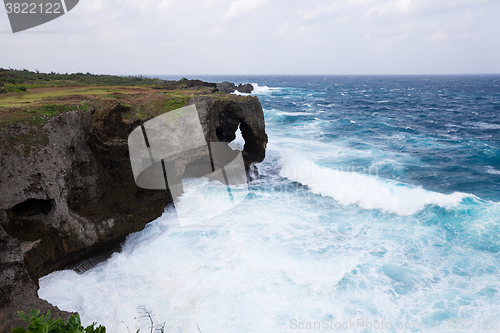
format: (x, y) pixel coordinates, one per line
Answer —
(34, 97)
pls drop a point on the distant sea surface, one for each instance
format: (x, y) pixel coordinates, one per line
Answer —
(378, 203)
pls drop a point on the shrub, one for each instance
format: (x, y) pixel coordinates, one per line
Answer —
(44, 324)
(7, 88)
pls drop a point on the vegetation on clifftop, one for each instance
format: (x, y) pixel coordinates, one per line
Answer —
(35, 98)
(43, 324)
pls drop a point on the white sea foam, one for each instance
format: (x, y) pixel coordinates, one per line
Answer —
(294, 114)
(203, 199)
(398, 136)
(482, 125)
(277, 259)
(366, 191)
(253, 275)
(257, 89)
(492, 171)
(238, 143)
(394, 164)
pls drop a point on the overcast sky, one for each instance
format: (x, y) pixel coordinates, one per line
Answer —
(262, 37)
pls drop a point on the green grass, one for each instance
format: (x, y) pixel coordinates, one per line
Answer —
(176, 102)
(140, 112)
(111, 96)
(39, 115)
(28, 98)
(9, 88)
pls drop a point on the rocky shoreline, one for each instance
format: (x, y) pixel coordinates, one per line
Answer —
(67, 192)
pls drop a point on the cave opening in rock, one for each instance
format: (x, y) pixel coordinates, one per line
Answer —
(32, 207)
(239, 142)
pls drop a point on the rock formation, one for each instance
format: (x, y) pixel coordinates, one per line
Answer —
(67, 192)
(186, 84)
(229, 87)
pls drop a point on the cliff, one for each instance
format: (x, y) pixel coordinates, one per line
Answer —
(67, 192)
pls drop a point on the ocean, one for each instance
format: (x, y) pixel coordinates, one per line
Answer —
(377, 209)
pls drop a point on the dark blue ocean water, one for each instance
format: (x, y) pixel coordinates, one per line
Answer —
(378, 202)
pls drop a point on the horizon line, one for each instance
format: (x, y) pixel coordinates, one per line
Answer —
(319, 75)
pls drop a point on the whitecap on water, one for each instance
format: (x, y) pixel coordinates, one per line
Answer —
(366, 191)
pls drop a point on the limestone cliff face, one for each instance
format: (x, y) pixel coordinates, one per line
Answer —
(67, 191)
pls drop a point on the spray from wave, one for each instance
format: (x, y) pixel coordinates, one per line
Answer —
(366, 191)
(258, 90)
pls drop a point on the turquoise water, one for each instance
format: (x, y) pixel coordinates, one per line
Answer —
(377, 206)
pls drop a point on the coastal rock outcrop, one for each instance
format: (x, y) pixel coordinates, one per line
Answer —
(186, 84)
(67, 191)
(245, 88)
(229, 87)
(220, 120)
